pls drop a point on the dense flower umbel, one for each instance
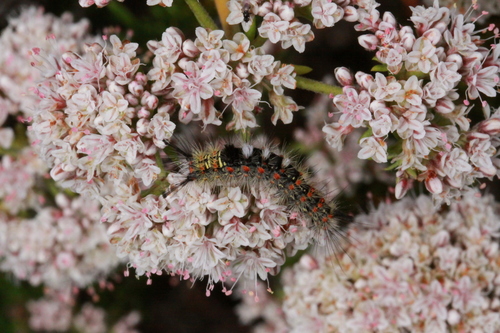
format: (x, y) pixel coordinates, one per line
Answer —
(99, 127)
(19, 176)
(417, 115)
(193, 233)
(53, 314)
(69, 248)
(198, 74)
(98, 124)
(412, 267)
(487, 7)
(30, 29)
(279, 21)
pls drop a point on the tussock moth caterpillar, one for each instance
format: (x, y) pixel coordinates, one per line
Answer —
(235, 163)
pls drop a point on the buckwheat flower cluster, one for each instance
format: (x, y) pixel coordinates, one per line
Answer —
(417, 115)
(55, 315)
(413, 267)
(487, 8)
(343, 170)
(69, 248)
(193, 233)
(19, 176)
(104, 3)
(199, 73)
(24, 32)
(279, 21)
(96, 125)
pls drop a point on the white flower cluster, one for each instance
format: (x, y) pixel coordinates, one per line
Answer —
(343, 170)
(211, 68)
(417, 116)
(193, 233)
(413, 267)
(52, 314)
(19, 176)
(98, 124)
(487, 7)
(25, 31)
(85, 124)
(104, 3)
(69, 247)
(279, 21)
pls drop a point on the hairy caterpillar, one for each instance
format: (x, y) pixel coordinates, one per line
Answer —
(234, 163)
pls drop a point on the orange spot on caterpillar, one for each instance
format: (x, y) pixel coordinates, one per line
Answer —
(291, 187)
(303, 199)
(310, 193)
(298, 182)
(245, 168)
(260, 170)
(315, 209)
(229, 169)
(276, 176)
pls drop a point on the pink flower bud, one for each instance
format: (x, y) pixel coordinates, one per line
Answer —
(266, 8)
(368, 41)
(350, 14)
(433, 184)
(143, 113)
(131, 99)
(408, 40)
(102, 3)
(433, 36)
(166, 108)
(344, 76)
(190, 49)
(455, 58)
(183, 63)
(286, 13)
(142, 126)
(389, 18)
(150, 101)
(490, 126)
(403, 185)
(364, 80)
(135, 88)
(444, 106)
(114, 87)
(242, 71)
(141, 78)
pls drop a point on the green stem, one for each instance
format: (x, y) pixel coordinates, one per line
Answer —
(201, 15)
(316, 86)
